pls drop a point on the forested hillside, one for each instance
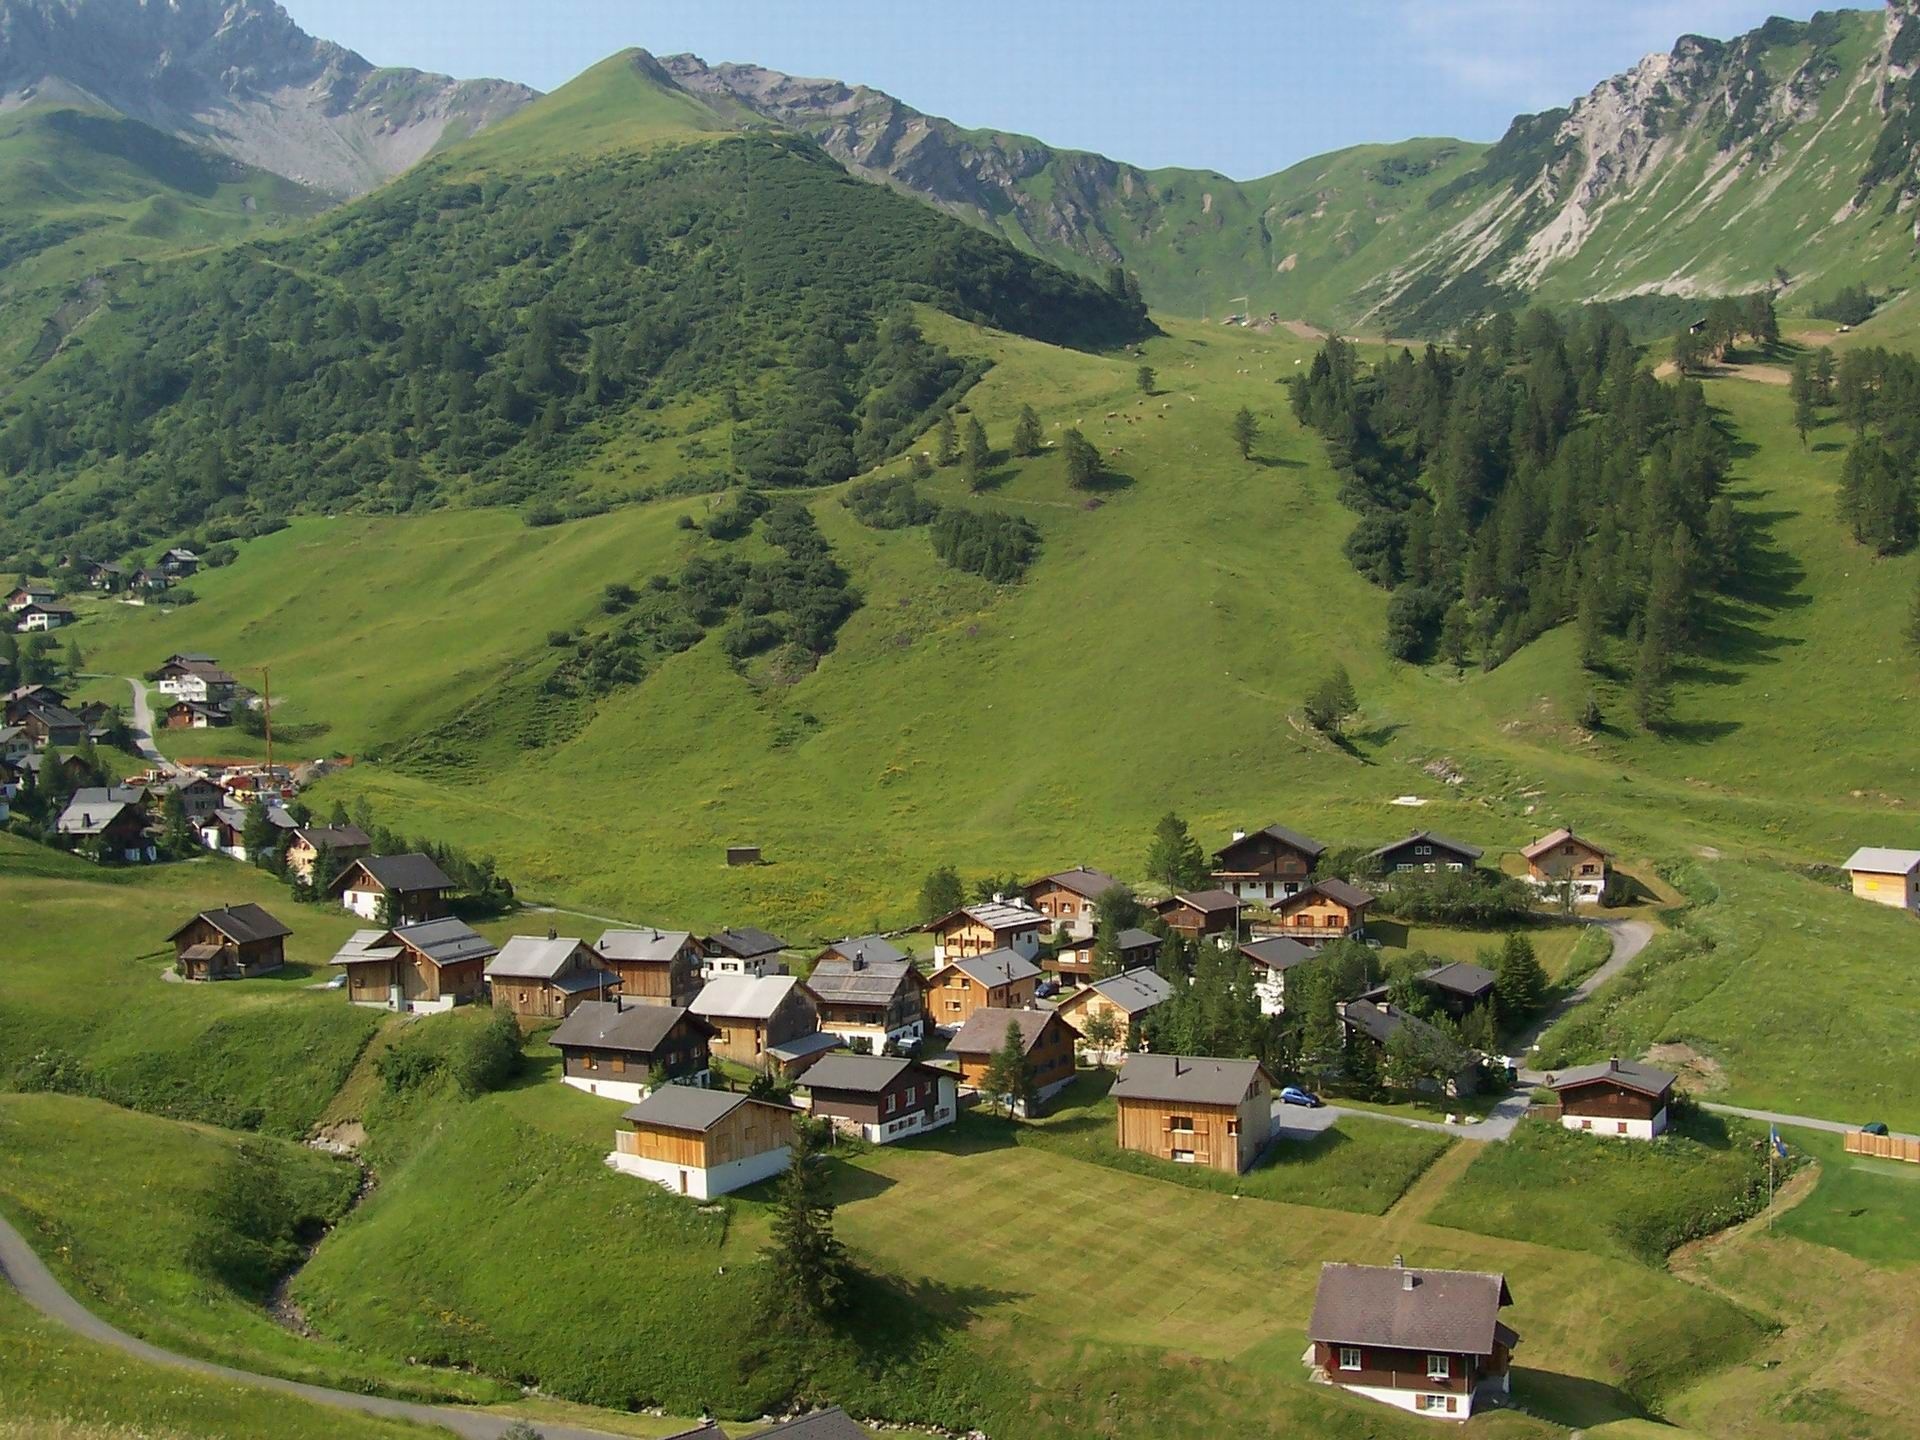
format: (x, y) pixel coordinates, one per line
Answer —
(477, 340)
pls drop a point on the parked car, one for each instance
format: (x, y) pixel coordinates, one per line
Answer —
(1294, 1095)
(1873, 1127)
(1047, 989)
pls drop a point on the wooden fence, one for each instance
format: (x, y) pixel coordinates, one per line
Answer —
(1884, 1147)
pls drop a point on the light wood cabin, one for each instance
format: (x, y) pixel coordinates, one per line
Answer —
(704, 1143)
(1194, 1110)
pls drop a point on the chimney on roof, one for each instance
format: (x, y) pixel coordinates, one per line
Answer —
(1178, 1068)
(619, 1003)
(1613, 1064)
(553, 932)
(859, 961)
(1408, 1281)
(1239, 835)
(999, 898)
(1399, 1261)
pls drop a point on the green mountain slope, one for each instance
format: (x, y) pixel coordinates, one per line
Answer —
(1788, 153)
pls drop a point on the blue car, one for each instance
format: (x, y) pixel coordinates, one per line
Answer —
(1294, 1095)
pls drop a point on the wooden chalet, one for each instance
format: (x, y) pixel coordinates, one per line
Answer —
(656, 967)
(1374, 1021)
(194, 715)
(179, 562)
(547, 979)
(1074, 962)
(1426, 852)
(1201, 913)
(766, 1023)
(426, 966)
(199, 796)
(998, 980)
(1886, 877)
(1270, 959)
(1615, 1097)
(232, 943)
(40, 618)
(618, 1049)
(48, 723)
(704, 1143)
(881, 1098)
(1193, 1110)
(743, 951)
(1457, 987)
(869, 993)
(1069, 898)
(1127, 999)
(991, 925)
(115, 828)
(195, 677)
(1327, 909)
(343, 842)
(1266, 865)
(413, 886)
(26, 596)
(1562, 862)
(1047, 1039)
(1430, 1341)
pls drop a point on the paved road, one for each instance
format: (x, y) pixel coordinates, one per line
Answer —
(143, 727)
(1629, 938)
(1775, 1117)
(22, 1269)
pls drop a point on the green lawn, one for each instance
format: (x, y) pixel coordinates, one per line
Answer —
(1866, 1207)
(184, 1256)
(1628, 1199)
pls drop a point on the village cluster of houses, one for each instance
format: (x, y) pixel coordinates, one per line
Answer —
(35, 605)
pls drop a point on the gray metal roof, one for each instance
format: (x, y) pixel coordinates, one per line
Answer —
(1461, 978)
(239, 923)
(986, 1030)
(830, 1424)
(534, 957)
(996, 967)
(1435, 838)
(996, 915)
(745, 997)
(746, 943)
(1193, 1079)
(873, 949)
(866, 1074)
(1449, 1312)
(1378, 1019)
(81, 818)
(334, 837)
(363, 947)
(399, 873)
(838, 982)
(1136, 939)
(1628, 1074)
(643, 945)
(688, 1107)
(1877, 860)
(1351, 896)
(445, 941)
(1134, 991)
(1277, 952)
(613, 1025)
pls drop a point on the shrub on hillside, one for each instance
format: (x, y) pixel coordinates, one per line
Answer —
(256, 1221)
(889, 502)
(1473, 898)
(988, 543)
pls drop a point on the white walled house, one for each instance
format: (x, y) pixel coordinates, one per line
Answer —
(1270, 960)
(704, 1143)
(616, 1048)
(881, 1098)
(1620, 1098)
(1429, 1341)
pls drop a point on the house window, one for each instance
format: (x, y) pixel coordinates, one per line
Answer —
(1622, 1128)
(1439, 1367)
(1183, 1157)
(1435, 1402)
(1350, 1357)
(1423, 849)
(1233, 1126)
(889, 1106)
(1183, 1123)
(590, 1062)
(1586, 1124)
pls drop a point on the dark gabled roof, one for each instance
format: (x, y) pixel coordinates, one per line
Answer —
(746, 943)
(986, 1030)
(839, 983)
(830, 1424)
(688, 1107)
(612, 1025)
(1460, 978)
(1136, 939)
(1134, 991)
(1378, 1020)
(1188, 1079)
(873, 949)
(1277, 952)
(1627, 1074)
(1433, 837)
(861, 1074)
(1208, 902)
(399, 873)
(445, 942)
(1088, 884)
(334, 837)
(1338, 891)
(1448, 1312)
(995, 968)
(241, 924)
(83, 819)
(1305, 844)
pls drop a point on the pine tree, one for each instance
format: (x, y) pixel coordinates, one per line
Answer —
(1145, 377)
(946, 441)
(1332, 701)
(1653, 679)
(1591, 632)
(1520, 983)
(258, 837)
(1591, 718)
(1174, 858)
(1009, 1076)
(1800, 389)
(941, 893)
(1083, 461)
(808, 1269)
(1246, 429)
(979, 453)
(179, 837)
(1026, 432)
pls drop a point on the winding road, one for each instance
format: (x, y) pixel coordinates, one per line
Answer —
(37, 1285)
(143, 727)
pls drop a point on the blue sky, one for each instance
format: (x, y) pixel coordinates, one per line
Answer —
(1242, 86)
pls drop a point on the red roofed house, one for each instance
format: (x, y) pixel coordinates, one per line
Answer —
(1430, 1341)
(1563, 861)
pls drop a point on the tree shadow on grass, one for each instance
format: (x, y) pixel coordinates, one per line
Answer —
(1108, 482)
(1699, 732)
(1277, 462)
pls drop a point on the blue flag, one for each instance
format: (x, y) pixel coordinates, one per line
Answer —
(1779, 1145)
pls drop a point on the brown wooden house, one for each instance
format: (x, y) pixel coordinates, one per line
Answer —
(881, 1098)
(1047, 1039)
(1266, 865)
(752, 1018)
(1563, 862)
(1328, 909)
(1069, 898)
(1615, 1097)
(344, 842)
(1074, 962)
(1127, 999)
(428, 966)
(1426, 852)
(547, 979)
(1430, 1341)
(999, 980)
(656, 967)
(704, 1143)
(988, 926)
(1193, 1110)
(1201, 913)
(616, 1049)
(869, 993)
(233, 943)
(413, 886)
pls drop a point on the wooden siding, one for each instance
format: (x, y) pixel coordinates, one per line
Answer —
(1320, 914)
(1569, 860)
(1221, 1137)
(752, 1129)
(1604, 1100)
(1389, 1369)
(957, 995)
(746, 1040)
(1884, 1147)
(660, 982)
(1061, 905)
(1261, 857)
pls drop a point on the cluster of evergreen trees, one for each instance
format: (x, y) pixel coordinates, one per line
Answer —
(1538, 472)
(1876, 394)
(474, 339)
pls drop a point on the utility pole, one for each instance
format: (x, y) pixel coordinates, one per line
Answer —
(266, 712)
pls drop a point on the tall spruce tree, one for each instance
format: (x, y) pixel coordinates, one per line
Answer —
(807, 1266)
(1174, 858)
(1026, 432)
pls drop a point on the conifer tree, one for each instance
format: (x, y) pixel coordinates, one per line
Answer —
(1653, 679)
(1009, 1076)
(1520, 983)
(1145, 377)
(1174, 858)
(1246, 429)
(1026, 432)
(808, 1269)
(1083, 461)
(946, 441)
